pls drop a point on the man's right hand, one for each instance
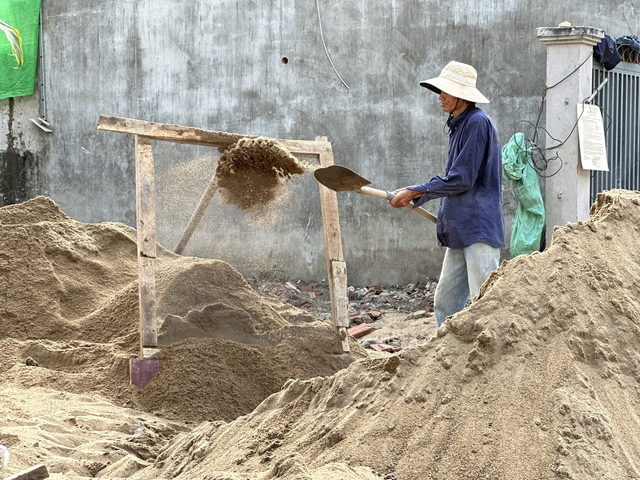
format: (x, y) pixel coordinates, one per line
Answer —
(403, 197)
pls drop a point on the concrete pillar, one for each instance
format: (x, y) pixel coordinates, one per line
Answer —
(569, 53)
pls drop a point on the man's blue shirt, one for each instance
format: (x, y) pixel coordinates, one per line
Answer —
(471, 187)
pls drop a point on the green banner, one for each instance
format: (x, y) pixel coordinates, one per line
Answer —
(24, 15)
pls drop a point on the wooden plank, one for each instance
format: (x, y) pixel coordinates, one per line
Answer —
(336, 267)
(145, 198)
(147, 296)
(38, 472)
(150, 352)
(199, 136)
(306, 147)
(340, 301)
(146, 221)
(340, 305)
(330, 220)
(168, 132)
(197, 215)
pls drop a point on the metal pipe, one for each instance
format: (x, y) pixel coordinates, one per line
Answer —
(43, 96)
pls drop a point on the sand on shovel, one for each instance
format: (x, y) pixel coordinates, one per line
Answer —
(537, 379)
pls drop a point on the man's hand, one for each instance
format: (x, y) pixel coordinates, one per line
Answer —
(403, 197)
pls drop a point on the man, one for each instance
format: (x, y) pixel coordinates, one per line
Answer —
(470, 223)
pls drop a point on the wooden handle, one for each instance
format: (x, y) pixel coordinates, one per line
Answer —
(390, 196)
(376, 193)
(424, 213)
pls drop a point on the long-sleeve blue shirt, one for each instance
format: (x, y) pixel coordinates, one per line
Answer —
(471, 189)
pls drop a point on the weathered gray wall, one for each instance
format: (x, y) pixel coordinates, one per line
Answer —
(218, 65)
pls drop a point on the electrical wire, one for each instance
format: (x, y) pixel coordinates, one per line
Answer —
(325, 46)
(539, 159)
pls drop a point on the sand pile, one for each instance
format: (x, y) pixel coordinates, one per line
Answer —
(537, 379)
(69, 323)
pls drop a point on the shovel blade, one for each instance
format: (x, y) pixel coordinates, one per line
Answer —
(339, 178)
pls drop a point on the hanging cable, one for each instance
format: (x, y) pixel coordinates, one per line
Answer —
(539, 160)
(325, 46)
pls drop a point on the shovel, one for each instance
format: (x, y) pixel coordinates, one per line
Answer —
(342, 179)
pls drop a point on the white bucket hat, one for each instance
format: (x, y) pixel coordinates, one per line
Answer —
(457, 79)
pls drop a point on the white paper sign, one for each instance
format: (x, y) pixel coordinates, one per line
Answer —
(593, 151)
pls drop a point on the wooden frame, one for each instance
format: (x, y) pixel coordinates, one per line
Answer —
(145, 131)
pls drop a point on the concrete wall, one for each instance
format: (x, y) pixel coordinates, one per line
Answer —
(219, 66)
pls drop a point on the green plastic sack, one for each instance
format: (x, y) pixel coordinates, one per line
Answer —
(18, 75)
(528, 224)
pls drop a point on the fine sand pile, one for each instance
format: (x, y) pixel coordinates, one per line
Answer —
(69, 323)
(537, 379)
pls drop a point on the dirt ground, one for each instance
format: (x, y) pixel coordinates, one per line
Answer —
(536, 379)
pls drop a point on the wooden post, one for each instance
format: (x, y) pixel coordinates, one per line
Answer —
(336, 267)
(146, 214)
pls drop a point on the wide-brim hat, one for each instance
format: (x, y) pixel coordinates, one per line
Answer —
(459, 80)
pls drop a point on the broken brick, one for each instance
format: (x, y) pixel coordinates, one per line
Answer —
(360, 330)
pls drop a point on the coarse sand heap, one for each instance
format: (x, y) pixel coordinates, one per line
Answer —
(537, 379)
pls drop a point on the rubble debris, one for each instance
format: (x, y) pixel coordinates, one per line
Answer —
(360, 330)
(368, 303)
(367, 306)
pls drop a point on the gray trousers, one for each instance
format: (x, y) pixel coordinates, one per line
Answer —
(463, 273)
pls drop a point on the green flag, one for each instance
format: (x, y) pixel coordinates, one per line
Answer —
(19, 80)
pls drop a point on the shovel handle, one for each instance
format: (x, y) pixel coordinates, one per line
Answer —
(390, 196)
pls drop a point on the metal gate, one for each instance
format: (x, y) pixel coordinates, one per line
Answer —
(619, 101)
